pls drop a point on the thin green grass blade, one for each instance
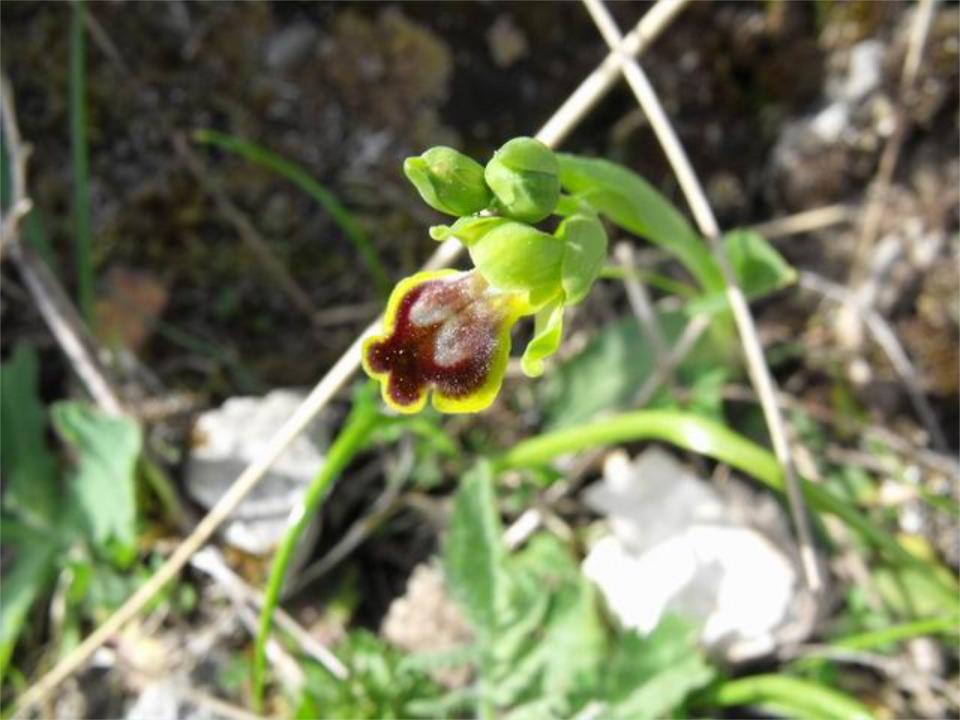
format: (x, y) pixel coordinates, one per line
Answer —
(302, 179)
(904, 631)
(787, 696)
(712, 439)
(352, 438)
(83, 254)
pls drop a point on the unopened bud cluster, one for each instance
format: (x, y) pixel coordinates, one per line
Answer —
(521, 181)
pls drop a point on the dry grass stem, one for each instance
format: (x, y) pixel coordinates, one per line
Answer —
(804, 222)
(599, 82)
(210, 561)
(640, 303)
(886, 338)
(51, 300)
(756, 364)
(880, 187)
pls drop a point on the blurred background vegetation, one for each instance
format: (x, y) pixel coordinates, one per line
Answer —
(218, 188)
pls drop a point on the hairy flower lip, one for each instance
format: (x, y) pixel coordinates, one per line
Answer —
(446, 334)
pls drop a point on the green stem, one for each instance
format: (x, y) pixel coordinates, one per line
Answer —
(300, 177)
(83, 256)
(706, 437)
(788, 696)
(354, 435)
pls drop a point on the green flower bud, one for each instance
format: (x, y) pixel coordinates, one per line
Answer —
(449, 181)
(524, 177)
(515, 257)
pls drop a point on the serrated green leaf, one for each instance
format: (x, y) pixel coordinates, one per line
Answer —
(473, 553)
(101, 485)
(650, 676)
(30, 470)
(554, 642)
(632, 203)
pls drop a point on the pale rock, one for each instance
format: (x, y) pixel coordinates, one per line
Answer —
(227, 439)
(677, 547)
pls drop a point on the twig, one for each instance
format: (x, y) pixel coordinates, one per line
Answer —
(383, 507)
(756, 364)
(683, 346)
(210, 561)
(318, 398)
(531, 518)
(52, 301)
(933, 460)
(245, 229)
(596, 85)
(67, 327)
(886, 338)
(880, 187)
(804, 222)
(20, 204)
(642, 307)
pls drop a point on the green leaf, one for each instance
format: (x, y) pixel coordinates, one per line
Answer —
(759, 268)
(473, 553)
(25, 575)
(584, 252)
(102, 482)
(788, 697)
(547, 334)
(573, 635)
(632, 203)
(553, 643)
(609, 371)
(647, 677)
(28, 467)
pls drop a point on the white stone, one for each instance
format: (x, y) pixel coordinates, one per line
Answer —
(676, 547)
(229, 438)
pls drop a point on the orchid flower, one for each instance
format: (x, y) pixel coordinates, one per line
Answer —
(447, 333)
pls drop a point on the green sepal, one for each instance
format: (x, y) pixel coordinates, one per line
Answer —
(516, 257)
(467, 229)
(524, 176)
(547, 333)
(584, 252)
(449, 181)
